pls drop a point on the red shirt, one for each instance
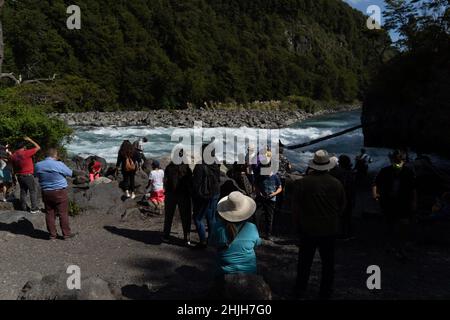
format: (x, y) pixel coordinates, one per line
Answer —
(96, 167)
(23, 161)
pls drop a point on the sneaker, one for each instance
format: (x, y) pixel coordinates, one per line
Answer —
(133, 195)
(127, 194)
(35, 211)
(165, 239)
(187, 243)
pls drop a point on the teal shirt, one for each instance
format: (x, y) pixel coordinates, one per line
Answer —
(240, 256)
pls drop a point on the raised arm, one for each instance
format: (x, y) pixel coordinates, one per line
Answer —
(34, 143)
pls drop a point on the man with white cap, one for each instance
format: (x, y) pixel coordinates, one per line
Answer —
(234, 236)
(318, 204)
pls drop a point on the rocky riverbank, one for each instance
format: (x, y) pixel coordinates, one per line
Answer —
(265, 119)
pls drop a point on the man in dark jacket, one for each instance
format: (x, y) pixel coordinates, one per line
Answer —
(206, 193)
(177, 187)
(318, 202)
(395, 189)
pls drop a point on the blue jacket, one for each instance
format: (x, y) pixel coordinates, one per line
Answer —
(52, 174)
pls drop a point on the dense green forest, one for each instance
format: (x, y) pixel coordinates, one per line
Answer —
(168, 53)
(408, 103)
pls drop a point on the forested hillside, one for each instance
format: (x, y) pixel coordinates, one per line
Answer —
(165, 53)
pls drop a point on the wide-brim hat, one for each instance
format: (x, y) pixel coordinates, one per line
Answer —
(322, 161)
(236, 207)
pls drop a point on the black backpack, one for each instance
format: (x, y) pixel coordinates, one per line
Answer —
(208, 184)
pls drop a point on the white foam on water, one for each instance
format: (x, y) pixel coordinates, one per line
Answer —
(105, 141)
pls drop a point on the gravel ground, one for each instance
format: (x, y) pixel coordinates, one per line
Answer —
(131, 256)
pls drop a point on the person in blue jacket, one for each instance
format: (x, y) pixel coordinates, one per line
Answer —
(234, 236)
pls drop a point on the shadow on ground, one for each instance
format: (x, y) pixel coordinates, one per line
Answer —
(25, 228)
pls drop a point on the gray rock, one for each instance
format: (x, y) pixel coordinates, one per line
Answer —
(35, 221)
(54, 287)
(246, 287)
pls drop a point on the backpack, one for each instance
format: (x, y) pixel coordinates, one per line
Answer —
(361, 163)
(129, 165)
(206, 188)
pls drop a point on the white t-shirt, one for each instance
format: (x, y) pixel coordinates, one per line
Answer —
(156, 177)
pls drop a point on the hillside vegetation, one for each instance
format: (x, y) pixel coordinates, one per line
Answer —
(144, 54)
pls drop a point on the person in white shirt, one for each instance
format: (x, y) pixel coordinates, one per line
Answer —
(155, 185)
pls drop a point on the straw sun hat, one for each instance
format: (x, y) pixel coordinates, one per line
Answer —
(322, 161)
(236, 207)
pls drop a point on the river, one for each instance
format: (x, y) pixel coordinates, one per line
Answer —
(105, 141)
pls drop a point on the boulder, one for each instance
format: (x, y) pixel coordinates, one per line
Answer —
(96, 158)
(246, 287)
(23, 220)
(54, 287)
(105, 198)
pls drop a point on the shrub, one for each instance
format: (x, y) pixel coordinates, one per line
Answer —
(74, 209)
(69, 94)
(304, 103)
(18, 120)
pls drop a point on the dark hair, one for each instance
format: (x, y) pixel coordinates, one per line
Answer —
(144, 139)
(231, 230)
(51, 152)
(126, 149)
(21, 145)
(397, 156)
(156, 165)
(345, 162)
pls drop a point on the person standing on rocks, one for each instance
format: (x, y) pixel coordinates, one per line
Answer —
(127, 160)
(22, 161)
(6, 179)
(139, 146)
(344, 173)
(395, 189)
(177, 186)
(52, 176)
(362, 162)
(268, 187)
(206, 193)
(318, 203)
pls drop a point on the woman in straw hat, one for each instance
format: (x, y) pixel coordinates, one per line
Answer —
(234, 236)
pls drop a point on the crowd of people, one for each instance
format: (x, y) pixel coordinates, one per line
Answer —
(322, 201)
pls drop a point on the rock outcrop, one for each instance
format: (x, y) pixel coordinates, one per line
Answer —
(54, 287)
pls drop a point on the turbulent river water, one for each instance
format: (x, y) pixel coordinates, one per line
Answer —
(105, 141)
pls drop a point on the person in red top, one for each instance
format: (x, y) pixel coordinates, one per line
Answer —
(95, 167)
(22, 161)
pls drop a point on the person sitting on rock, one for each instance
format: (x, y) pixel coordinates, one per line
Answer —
(234, 236)
(94, 167)
(155, 185)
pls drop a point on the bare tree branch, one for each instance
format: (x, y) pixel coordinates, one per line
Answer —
(11, 76)
(40, 80)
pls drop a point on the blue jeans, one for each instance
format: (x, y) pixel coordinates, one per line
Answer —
(205, 208)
